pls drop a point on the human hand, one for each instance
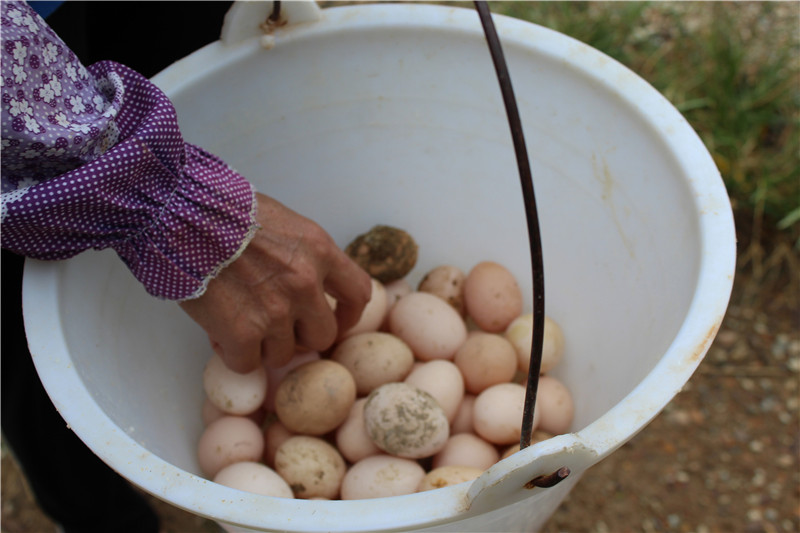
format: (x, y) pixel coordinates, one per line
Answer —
(272, 298)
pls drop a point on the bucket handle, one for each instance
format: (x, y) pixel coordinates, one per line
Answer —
(254, 18)
(535, 468)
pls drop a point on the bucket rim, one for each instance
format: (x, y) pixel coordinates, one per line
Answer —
(704, 316)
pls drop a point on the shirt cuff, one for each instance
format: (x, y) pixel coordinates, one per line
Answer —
(204, 225)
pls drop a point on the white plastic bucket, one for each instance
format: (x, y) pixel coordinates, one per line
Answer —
(392, 114)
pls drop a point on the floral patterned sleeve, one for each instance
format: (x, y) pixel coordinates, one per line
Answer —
(93, 158)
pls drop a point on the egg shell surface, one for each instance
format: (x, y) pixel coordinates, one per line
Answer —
(374, 358)
(232, 392)
(467, 449)
(311, 466)
(445, 476)
(492, 296)
(254, 477)
(374, 313)
(229, 440)
(556, 406)
(485, 359)
(315, 397)
(462, 423)
(380, 476)
(497, 414)
(431, 327)
(405, 421)
(520, 334)
(446, 282)
(352, 439)
(441, 379)
(276, 375)
(275, 434)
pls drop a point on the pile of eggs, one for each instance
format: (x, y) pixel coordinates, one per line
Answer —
(425, 391)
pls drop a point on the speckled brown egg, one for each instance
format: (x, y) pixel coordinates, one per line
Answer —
(405, 421)
(446, 282)
(312, 467)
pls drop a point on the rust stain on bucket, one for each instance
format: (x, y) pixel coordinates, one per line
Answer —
(701, 348)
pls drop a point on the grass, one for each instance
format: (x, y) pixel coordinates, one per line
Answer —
(732, 69)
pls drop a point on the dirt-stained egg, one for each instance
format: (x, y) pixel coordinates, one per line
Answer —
(254, 477)
(387, 253)
(311, 466)
(445, 476)
(492, 296)
(315, 397)
(381, 476)
(276, 375)
(441, 379)
(405, 421)
(374, 358)
(446, 282)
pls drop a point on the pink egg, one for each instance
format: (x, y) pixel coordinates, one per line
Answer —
(429, 325)
(442, 380)
(497, 414)
(352, 438)
(462, 423)
(467, 449)
(492, 296)
(380, 476)
(486, 359)
(555, 404)
(229, 440)
(274, 435)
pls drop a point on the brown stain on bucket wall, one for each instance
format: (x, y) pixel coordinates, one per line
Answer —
(603, 175)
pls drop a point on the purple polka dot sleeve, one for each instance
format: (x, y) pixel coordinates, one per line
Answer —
(93, 158)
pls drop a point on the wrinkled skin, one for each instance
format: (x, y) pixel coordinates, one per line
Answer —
(271, 300)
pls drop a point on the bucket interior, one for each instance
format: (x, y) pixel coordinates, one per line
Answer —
(402, 123)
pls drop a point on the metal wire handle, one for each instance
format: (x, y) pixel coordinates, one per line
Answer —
(534, 234)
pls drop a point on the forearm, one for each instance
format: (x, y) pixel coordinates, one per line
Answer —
(93, 158)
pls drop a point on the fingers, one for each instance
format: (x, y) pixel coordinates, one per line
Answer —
(272, 298)
(351, 286)
(278, 347)
(317, 328)
(239, 355)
